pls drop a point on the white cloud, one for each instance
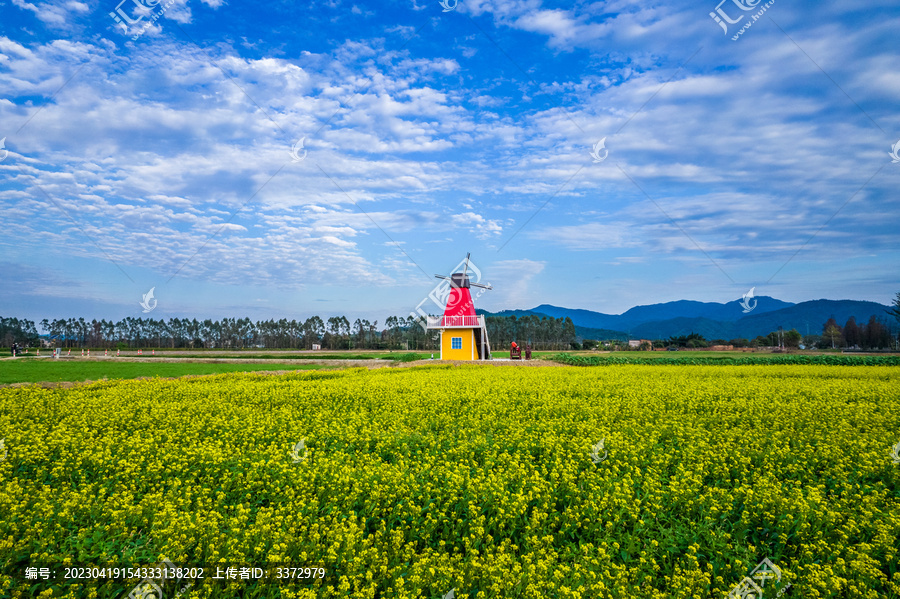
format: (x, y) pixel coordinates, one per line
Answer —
(513, 282)
(58, 15)
(748, 149)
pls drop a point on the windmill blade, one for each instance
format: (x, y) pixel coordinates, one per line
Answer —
(452, 284)
(466, 267)
(488, 286)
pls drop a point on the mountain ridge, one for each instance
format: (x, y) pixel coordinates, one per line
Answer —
(713, 320)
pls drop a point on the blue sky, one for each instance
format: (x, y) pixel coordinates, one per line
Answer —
(159, 154)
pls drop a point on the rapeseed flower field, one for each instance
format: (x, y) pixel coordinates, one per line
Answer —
(465, 482)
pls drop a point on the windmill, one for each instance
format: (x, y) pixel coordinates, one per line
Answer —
(463, 333)
(461, 280)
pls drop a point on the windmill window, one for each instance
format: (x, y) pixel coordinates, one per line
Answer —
(456, 342)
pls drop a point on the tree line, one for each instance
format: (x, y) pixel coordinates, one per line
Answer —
(541, 333)
(397, 332)
(872, 335)
(334, 333)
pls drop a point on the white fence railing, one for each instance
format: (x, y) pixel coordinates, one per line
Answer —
(438, 322)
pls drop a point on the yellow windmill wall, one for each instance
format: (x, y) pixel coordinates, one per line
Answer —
(468, 351)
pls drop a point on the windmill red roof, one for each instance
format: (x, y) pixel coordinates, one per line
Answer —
(459, 303)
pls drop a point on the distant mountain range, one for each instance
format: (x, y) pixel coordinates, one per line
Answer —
(713, 320)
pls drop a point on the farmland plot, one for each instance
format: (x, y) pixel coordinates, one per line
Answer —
(624, 481)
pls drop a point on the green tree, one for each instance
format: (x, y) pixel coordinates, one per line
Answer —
(313, 329)
(875, 334)
(334, 328)
(832, 333)
(792, 338)
(692, 340)
(895, 311)
(851, 333)
(811, 341)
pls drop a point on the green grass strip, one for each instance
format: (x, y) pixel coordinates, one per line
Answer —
(832, 360)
